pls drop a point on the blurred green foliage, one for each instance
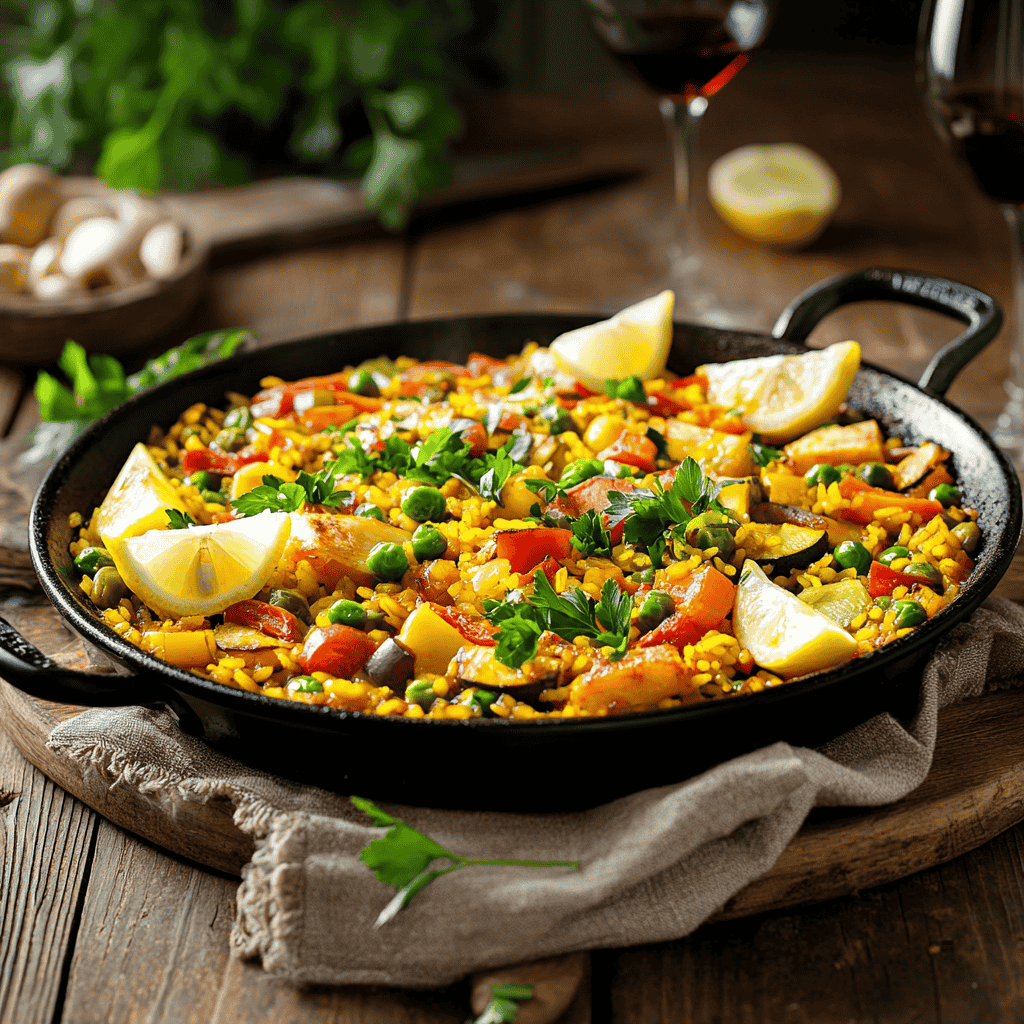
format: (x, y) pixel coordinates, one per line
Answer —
(146, 85)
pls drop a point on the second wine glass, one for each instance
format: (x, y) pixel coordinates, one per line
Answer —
(686, 50)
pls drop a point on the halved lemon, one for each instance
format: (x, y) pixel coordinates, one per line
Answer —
(784, 635)
(203, 569)
(635, 341)
(782, 397)
(137, 499)
(780, 195)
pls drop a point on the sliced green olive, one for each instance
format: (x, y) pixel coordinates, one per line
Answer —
(240, 416)
(657, 607)
(108, 589)
(948, 494)
(909, 613)
(89, 560)
(969, 536)
(230, 439)
(876, 474)
(822, 473)
(851, 554)
(293, 601)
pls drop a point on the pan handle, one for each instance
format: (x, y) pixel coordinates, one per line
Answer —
(979, 311)
(27, 668)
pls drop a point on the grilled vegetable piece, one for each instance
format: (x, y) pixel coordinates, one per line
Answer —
(432, 641)
(702, 600)
(641, 679)
(782, 633)
(526, 549)
(477, 666)
(195, 648)
(857, 443)
(784, 547)
(738, 496)
(771, 512)
(335, 649)
(865, 502)
(912, 469)
(231, 636)
(337, 546)
(715, 450)
(391, 664)
(267, 618)
(842, 602)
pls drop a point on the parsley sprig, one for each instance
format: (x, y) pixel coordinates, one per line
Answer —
(763, 453)
(403, 859)
(589, 536)
(278, 496)
(178, 520)
(573, 614)
(649, 516)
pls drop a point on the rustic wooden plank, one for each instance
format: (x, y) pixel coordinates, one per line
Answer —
(942, 947)
(45, 857)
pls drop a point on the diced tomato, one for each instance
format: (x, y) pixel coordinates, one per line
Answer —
(319, 417)
(419, 379)
(867, 501)
(882, 580)
(328, 569)
(685, 382)
(217, 462)
(526, 549)
(702, 600)
(662, 405)
(510, 421)
(267, 618)
(583, 391)
(476, 437)
(478, 364)
(633, 450)
(336, 649)
(279, 400)
(590, 495)
(550, 569)
(475, 629)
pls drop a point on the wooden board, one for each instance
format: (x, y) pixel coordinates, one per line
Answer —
(974, 792)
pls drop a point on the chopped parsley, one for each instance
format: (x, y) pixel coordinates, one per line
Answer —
(179, 520)
(278, 496)
(573, 614)
(520, 385)
(763, 453)
(589, 536)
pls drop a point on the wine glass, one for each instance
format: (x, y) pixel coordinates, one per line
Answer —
(686, 50)
(970, 71)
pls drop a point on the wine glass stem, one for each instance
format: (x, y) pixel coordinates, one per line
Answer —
(682, 120)
(1009, 432)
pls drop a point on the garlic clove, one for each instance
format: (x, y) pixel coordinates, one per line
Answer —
(56, 286)
(77, 210)
(44, 261)
(90, 247)
(13, 269)
(29, 198)
(160, 251)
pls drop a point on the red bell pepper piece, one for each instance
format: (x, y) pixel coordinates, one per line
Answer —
(279, 400)
(550, 569)
(867, 501)
(418, 379)
(633, 450)
(702, 600)
(476, 437)
(685, 382)
(591, 495)
(336, 649)
(267, 618)
(882, 580)
(217, 462)
(662, 405)
(475, 629)
(511, 421)
(319, 417)
(526, 549)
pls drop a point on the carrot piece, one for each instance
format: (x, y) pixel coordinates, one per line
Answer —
(703, 600)
(474, 628)
(267, 618)
(526, 549)
(336, 649)
(633, 450)
(591, 495)
(867, 501)
(319, 417)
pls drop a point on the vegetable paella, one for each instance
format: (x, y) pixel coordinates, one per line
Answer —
(528, 537)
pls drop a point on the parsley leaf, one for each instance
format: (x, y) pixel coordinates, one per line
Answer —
(178, 520)
(275, 495)
(520, 385)
(630, 390)
(763, 453)
(353, 460)
(589, 536)
(402, 859)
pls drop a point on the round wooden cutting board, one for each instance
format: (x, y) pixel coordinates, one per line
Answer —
(974, 791)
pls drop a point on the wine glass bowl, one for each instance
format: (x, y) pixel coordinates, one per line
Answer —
(971, 73)
(685, 51)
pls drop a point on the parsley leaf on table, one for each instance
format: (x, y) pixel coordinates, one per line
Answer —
(402, 859)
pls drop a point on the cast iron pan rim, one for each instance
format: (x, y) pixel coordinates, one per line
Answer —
(307, 715)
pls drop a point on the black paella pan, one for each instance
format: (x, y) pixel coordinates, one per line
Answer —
(550, 763)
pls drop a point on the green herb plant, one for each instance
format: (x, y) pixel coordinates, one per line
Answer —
(153, 87)
(403, 859)
(763, 453)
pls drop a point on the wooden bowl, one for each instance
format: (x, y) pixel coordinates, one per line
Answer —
(109, 319)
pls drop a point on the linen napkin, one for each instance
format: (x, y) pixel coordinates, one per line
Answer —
(654, 864)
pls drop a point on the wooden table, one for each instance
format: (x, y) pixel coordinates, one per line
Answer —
(96, 924)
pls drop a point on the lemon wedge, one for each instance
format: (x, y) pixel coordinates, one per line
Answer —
(784, 635)
(635, 341)
(203, 569)
(137, 499)
(780, 195)
(782, 397)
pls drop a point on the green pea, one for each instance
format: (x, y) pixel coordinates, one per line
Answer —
(557, 419)
(657, 607)
(387, 561)
(715, 537)
(204, 481)
(90, 560)
(362, 383)
(230, 439)
(883, 601)
(876, 474)
(428, 542)
(889, 555)
(579, 471)
(909, 613)
(851, 554)
(108, 588)
(291, 601)
(482, 700)
(370, 511)
(213, 496)
(240, 416)
(822, 473)
(845, 467)
(422, 693)
(948, 494)
(643, 575)
(968, 534)
(306, 684)
(347, 613)
(423, 504)
(925, 570)
(632, 390)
